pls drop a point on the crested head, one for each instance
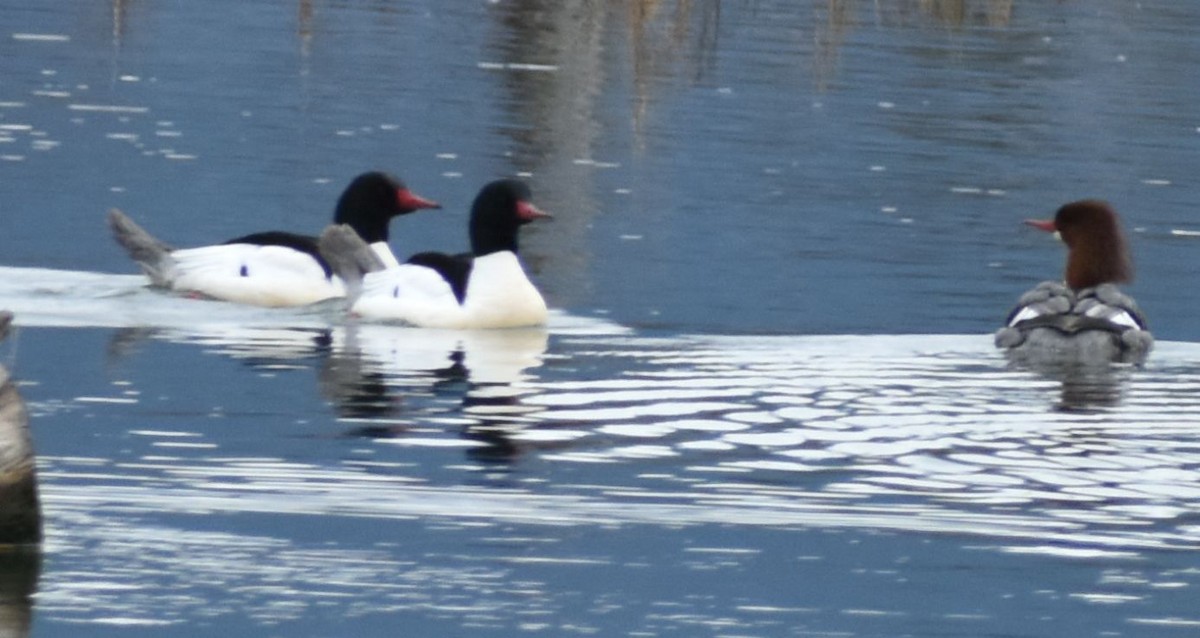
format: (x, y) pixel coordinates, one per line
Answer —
(370, 202)
(499, 210)
(1097, 252)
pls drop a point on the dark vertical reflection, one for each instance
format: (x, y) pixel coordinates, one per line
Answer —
(833, 19)
(950, 13)
(551, 55)
(992, 13)
(664, 40)
(556, 63)
(120, 11)
(304, 27)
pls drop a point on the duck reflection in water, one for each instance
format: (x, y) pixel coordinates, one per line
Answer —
(1085, 390)
(369, 371)
(1084, 387)
(354, 391)
(376, 375)
(474, 375)
(20, 509)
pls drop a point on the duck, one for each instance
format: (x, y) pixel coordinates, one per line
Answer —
(1086, 317)
(272, 268)
(485, 288)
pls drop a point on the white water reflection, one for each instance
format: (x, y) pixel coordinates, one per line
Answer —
(924, 435)
(926, 432)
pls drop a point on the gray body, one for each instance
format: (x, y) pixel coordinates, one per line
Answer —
(1053, 323)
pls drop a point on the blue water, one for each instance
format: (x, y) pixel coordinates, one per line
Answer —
(767, 402)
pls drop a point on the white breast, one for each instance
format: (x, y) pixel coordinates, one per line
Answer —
(500, 295)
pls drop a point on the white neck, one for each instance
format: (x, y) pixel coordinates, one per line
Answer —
(384, 252)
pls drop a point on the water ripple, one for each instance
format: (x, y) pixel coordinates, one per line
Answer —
(583, 426)
(900, 433)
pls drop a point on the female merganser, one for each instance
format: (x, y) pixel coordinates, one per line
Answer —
(272, 268)
(1088, 318)
(486, 288)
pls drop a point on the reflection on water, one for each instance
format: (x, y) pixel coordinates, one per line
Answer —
(1084, 387)
(851, 419)
(835, 20)
(660, 35)
(844, 420)
(382, 371)
(954, 13)
(497, 438)
(493, 454)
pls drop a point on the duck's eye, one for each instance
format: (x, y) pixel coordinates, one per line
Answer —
(244, 272)
(396, 292)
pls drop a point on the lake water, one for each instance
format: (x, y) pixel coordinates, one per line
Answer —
(766, 404)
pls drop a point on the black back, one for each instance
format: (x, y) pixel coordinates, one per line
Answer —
(455, 269)
(302, 243)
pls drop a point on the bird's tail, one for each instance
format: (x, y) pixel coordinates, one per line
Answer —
(151, 254)
(349, 256)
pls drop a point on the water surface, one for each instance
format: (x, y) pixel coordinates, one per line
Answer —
(766, 403)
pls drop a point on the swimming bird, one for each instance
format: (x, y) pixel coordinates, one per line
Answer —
(1086, 318)
(273, 268)
(486, 288)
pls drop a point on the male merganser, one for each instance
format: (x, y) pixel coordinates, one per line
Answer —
(486, 288)
(272, 268)
(1088, 318)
